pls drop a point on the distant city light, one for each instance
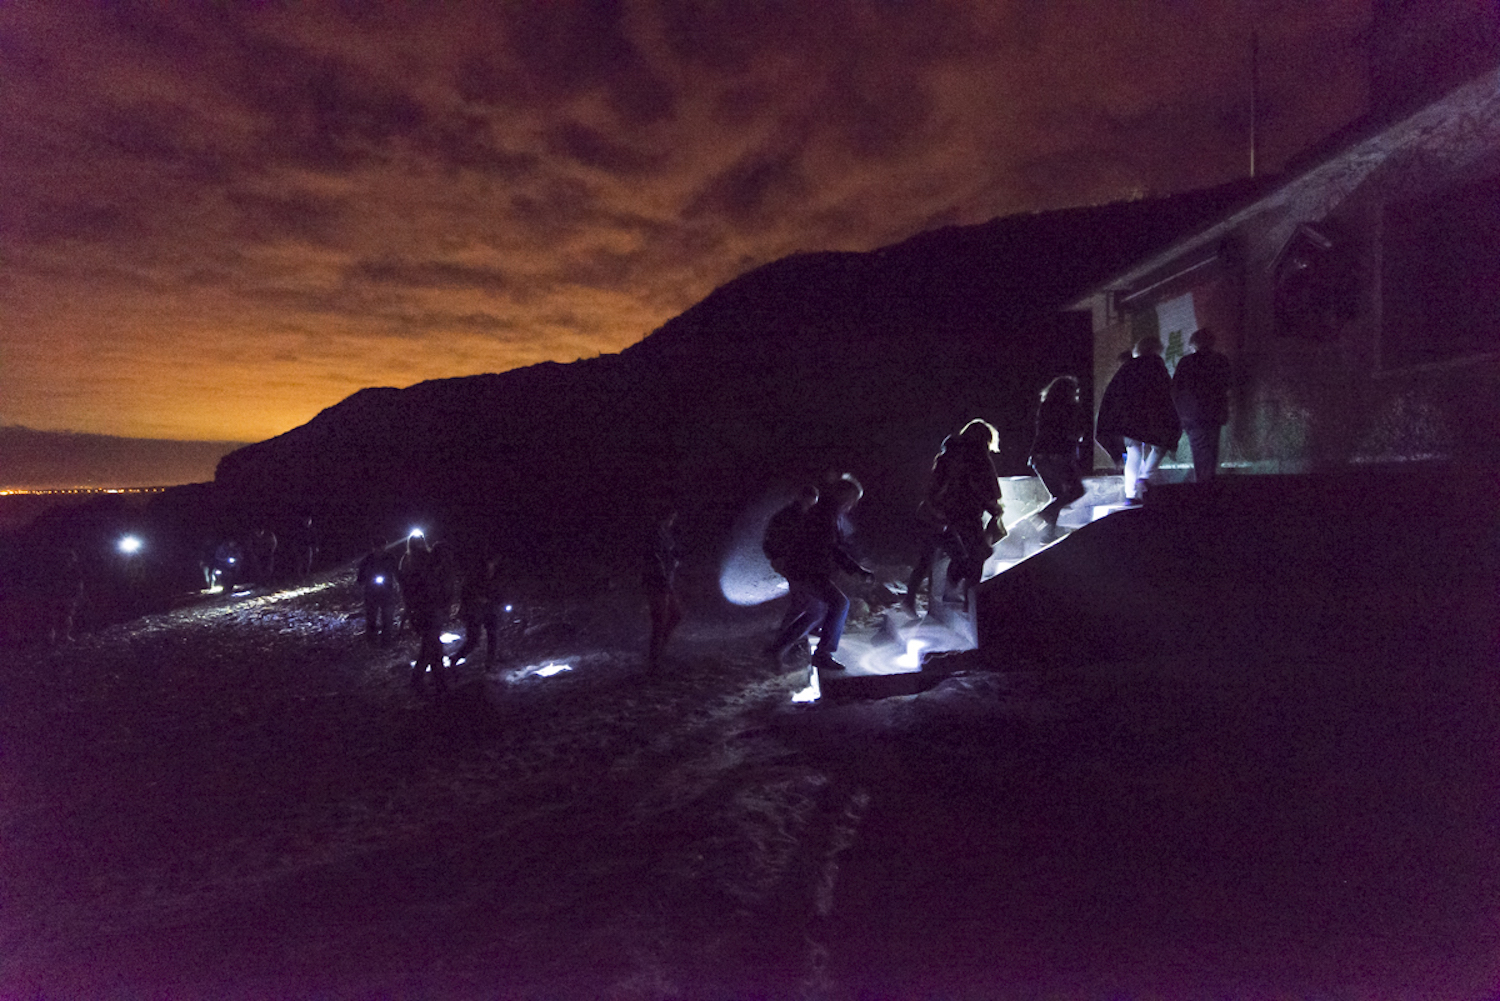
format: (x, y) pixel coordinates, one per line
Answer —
(131, 544)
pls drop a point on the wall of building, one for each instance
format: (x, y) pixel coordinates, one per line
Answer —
(1385, 346)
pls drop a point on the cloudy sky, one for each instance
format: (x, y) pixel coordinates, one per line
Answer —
(217, 219)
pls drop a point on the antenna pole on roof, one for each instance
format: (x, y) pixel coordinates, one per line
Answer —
(1254, 97)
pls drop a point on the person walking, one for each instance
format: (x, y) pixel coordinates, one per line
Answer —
(376, 577)
(965, 493)
(1062, 427)
(1200, 391)
(820, 550)
(1137, 418)
(427, 602)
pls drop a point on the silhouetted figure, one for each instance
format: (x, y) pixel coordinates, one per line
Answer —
(820, 551)
(425, 592)
(304, 547)
(659, 577)
(964, 492)
(62, 593)
(479, 610)
(263, 555)
(229, 564)
(1137, 418)
(778, 541)
(1200, 390)
(933, 526)
(377, 576)
(1062, 428)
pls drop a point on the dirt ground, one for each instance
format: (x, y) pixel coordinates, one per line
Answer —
(241, 799)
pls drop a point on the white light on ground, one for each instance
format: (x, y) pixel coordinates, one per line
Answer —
(448, 637)
(131, 544)
(811, 693)
(912, 658)
(548, 670)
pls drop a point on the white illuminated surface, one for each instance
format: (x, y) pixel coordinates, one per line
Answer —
(811, 693)
(912, 658)
(448, 637)
(745, 576)
(548, 670)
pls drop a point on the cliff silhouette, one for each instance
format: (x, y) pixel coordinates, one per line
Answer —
(858, 362)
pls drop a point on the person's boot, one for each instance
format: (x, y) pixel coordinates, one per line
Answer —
(823, 660)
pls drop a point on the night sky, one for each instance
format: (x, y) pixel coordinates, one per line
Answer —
(217, 219)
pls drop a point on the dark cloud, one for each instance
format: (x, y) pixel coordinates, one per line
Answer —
(474, 186)
(48, 221)
(320, 111)
(467, 142)
(294, 216)
(430, 275)
(566, 48)
(751, 189)
(592, 148)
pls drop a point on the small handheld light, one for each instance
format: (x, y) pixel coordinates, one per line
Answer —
(380, 578)
(130, 545)
(416, 533)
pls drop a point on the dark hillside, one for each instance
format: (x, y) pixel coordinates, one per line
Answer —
(860, 362)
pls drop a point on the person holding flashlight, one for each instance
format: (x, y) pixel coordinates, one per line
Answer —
(377, 579)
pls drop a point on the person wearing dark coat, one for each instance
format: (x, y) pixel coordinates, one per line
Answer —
(426, 590)
(819, 551)
(1200, 389)
(966, 492)
(1062, 427)
(778, 542)
(1137, 417)
(479, 610)
(376, 577)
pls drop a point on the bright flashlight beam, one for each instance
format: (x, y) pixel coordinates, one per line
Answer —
(416, 533)
(130, 544)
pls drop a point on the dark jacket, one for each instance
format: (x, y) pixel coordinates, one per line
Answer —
(1137, 404)
(378, 572)
(963, 484)
(819, 546)
(1200, 389)
(1061, 426)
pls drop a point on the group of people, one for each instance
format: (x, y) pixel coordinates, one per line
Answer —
(1143, 413)
(1145, 410)
(422, 582)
